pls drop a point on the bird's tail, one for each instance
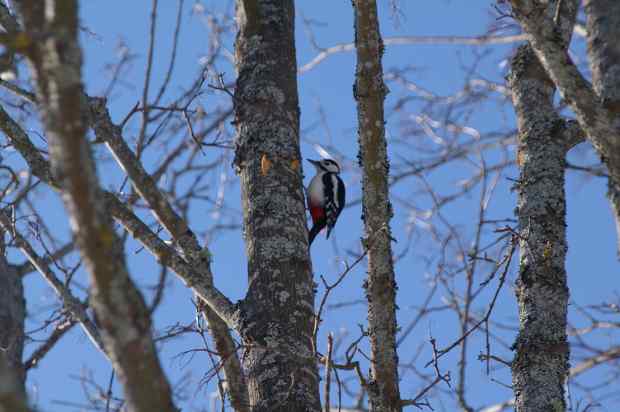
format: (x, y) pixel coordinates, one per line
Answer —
(329, 230)
(313, 232)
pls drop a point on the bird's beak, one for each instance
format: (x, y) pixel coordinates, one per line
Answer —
(316, 163)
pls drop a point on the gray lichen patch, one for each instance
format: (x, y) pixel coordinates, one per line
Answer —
(278, 309)
(540, 365)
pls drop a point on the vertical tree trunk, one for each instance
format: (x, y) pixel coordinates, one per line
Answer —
(12, 315)
(603, 28)
(596, 108)
(370, 91)
(541, 362)
(118, 304)
(541, 365)
(279, 307)
(603, 24)
(12, 396)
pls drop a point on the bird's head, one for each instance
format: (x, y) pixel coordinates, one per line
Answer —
(325, 165)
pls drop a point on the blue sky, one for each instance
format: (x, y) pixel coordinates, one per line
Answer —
(591, 262)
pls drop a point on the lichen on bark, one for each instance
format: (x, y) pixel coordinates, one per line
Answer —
(603, 31)
(540, 366)
(370, 92)
(118, 305)
(12, 316)
(595, 106)
(277, 316)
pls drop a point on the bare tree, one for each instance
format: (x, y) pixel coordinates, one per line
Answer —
(540, 366)
(278, 309)
(119, 307)
(152, 193)
(595, 105)
(370, 91)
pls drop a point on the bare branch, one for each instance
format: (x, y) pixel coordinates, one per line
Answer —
(72, 304)
(118, 304)
(409, 40)
(60, 330)
(595, 114)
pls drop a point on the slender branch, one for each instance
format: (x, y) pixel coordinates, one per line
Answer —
(580, 368)
(328, 369)
(166, 255)
(601, 358)
(506, 262)
(117, 302)
(227, 351)
(27, 267)
(147, 79)
(191, 275)
(39, 353)
(328, 289)
(324, 53)
(72, 304)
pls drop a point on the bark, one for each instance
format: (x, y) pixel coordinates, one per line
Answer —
(603, 32)
(119, 307)
(541, 365)
(278, 309)
(541, 361)
(237, 388)
(8, 20)
(12, 396)
(197, 274)
(70, 303)
(596, 107)
(219, 312)
(370, 92)
(199, 277)
(12, 315)
(191, 275)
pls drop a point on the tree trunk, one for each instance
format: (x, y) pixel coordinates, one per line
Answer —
(12, 396)
(237, 388)
(12, 315)
(370, 91)
(596, 108)
(603, 28)
(541, 365)
(279, 307)
(541, 362)
(120, 308)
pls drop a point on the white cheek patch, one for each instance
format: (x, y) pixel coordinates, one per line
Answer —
(315, 191)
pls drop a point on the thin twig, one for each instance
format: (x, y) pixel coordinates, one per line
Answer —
(328, 368)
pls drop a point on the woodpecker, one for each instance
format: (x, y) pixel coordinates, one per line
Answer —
(326, 196)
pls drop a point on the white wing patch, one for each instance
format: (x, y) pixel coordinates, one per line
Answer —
(335, 187)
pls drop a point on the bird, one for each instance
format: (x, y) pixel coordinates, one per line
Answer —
(325, 196)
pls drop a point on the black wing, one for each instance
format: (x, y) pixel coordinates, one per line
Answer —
(335, 206)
